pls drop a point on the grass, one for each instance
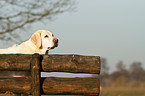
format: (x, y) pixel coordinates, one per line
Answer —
(122, 92)
(2, 95)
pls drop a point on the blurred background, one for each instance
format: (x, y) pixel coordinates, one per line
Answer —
(112, 29)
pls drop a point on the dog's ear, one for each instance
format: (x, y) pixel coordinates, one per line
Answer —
(36, 39)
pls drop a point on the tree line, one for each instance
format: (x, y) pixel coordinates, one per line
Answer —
(134, 76)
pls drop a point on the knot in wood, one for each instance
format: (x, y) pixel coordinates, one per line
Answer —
(34, 67)
(5, 65)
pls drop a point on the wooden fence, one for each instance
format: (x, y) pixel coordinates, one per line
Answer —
(36, 64)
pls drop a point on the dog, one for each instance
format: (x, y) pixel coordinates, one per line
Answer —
(40, 42)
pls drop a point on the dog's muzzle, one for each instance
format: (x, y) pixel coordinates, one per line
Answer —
(55, 41)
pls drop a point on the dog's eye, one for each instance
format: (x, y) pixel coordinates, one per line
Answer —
(46, 36)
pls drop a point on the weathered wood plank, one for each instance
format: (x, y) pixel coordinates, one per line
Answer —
(15, 62)
(16, 85)
(71, 63)
(71, 86)
(52, 86)
(52, 63)
(35, 71)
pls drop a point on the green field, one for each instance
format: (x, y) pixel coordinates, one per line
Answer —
(2, 95)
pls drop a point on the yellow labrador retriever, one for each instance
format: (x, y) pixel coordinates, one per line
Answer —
(40, 42)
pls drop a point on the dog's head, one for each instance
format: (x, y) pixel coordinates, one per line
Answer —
(44, 39)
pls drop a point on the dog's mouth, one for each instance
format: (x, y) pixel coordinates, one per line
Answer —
(55, 45)
(55, 41)
(47, 51)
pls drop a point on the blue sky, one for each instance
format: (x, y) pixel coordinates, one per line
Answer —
(113, 29)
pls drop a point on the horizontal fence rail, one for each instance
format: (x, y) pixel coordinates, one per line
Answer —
(75, 86)
(52, 86)
(36, 64)
(14, 62)
(71, 63)
(16, 85)
(53, 63)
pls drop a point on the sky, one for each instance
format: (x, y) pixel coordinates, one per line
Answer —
(112, 29)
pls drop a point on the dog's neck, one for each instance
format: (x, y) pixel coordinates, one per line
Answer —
(33, 47)
(40, 50)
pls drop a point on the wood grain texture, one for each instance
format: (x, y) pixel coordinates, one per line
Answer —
(15, 62)
(71, 86)
(35, 71)
(16, 85)
(52, 86)
(50, 63)
(71, 63)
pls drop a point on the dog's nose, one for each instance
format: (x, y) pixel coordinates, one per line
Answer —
(55, 40)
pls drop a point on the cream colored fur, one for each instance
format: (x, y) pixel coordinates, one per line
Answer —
(38, 43)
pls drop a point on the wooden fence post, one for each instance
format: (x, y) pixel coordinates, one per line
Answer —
(35, 71)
